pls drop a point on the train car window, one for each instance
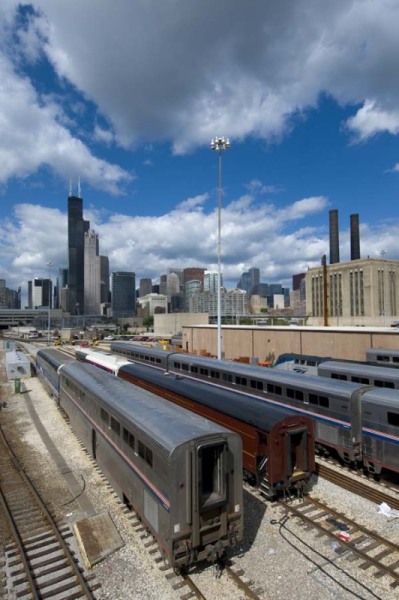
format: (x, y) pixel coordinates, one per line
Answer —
(312, 363)
(324, 401)
(395, 359)
(380, 383)
(295, 394)
(383, 358)
(176, 365)
(227, 377)
(204, 371)
(274, 389)
(339, 376)
(393, 419)
(148, 456)
(185, 367)
(104, 416)
(128, 438)
(115, 426)
(194, 369)
(145, 453)
(364, 380)
(319, 400)
(256, 385)
(141, 449)
(215, 374)
(241, 381)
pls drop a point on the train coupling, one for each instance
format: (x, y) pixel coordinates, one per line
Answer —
(214, 551)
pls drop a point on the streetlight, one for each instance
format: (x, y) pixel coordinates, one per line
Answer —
(49, 264)
(219, 144)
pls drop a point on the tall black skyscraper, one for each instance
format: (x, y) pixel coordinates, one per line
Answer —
(77, 227)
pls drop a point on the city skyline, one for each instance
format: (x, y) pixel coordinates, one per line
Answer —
(311, 116)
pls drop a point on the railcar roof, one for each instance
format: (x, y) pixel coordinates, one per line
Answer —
(353, 368)
(384, 397)
(169, 425)
(312, 383)
(384, 351)
(56, 355)
(255, 411)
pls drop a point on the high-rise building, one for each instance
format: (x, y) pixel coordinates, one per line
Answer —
(211, 282)
(296, 281)
(92, 274)
(39, 293)
(192, 288)
(249, 281)
(193, 274)
(61, 282)
(77, 227)
(145, 287)
(104, 280)
(123, 298)
(162, 285)
(9, 298)
(172, 284)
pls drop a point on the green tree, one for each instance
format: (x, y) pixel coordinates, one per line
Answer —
(148, 322)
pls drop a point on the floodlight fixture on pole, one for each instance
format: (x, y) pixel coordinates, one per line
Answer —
(49, 265)
(219, 144)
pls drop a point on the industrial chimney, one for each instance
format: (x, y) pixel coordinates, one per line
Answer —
(334, 237)
(355, 237)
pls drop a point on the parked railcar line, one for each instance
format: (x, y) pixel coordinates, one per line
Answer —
(361, 543)
(40, 559)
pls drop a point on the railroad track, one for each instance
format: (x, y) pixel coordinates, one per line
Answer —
(355, 485)
(192, 584)
(236, 587)
(39, 563)
(356, 542)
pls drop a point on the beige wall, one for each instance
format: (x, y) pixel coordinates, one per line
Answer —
(169, 324)
(261, 342)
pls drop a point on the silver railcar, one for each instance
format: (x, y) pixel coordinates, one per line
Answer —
(180, 472)
(388, 357)
(363, 373)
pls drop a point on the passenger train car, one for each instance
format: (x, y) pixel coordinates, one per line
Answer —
(180, 472)
(278, 446)
(338, 408)
(363, 373)
(48, 361)
(388, 357)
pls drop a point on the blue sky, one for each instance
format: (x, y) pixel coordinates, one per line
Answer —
(127, 100)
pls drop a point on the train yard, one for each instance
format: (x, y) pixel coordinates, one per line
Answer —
(278, 556)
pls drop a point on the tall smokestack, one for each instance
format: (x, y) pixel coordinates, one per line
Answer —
(355, 237)
(334, 237)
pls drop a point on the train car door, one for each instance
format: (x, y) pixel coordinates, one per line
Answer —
(209, 492)
(297, 452)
